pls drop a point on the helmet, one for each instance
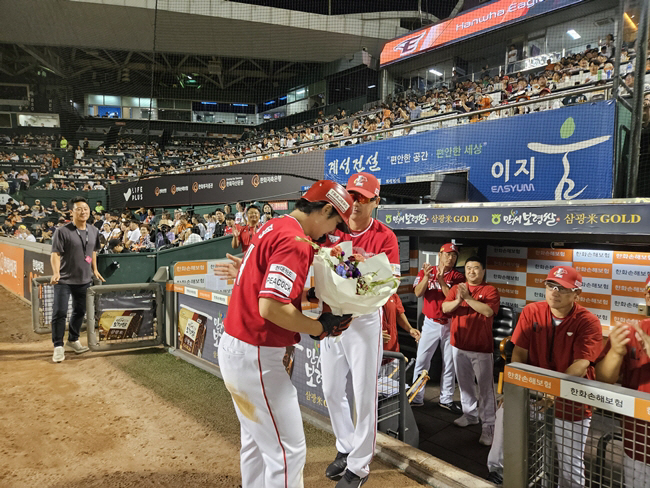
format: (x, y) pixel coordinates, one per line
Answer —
(331, 192)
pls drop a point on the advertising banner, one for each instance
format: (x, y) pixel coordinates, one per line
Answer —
(630, 219)
(202, 189)
(11, 269)
(562, 154)
(200, 326)
(35, 264)
(495, 15)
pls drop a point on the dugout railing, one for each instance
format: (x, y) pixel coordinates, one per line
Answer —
(547, 442)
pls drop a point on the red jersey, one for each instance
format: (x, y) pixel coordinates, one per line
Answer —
(374, 239)
(433, 295)
(392, 309)
(227, 231)
(556, 347)
(246, 234)
(470, 330)
(635, 374)
(275, 266)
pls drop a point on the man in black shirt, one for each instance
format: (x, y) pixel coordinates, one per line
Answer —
(74, 264)
(220, 224)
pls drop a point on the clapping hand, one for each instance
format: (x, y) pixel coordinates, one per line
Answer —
(642, 337)
(463, 291)
(619, 337)
(228, 270)
(427, 268)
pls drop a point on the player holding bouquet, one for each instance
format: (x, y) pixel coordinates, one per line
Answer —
(264, 318)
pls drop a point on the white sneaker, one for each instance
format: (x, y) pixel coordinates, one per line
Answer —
(464, 421)
(76, 346)
(59, 354)
(486, 436)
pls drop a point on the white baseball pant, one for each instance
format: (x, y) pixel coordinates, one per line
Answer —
(570, 439)
(434, 333)
(479, 365)
(357, 351)
(637, 473)
(273, 448)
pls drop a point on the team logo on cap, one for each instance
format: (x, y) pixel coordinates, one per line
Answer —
(578, 284)
(337, 200)
(559, 272)
(360, 180)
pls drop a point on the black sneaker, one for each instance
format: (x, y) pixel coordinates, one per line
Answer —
(350, 480)
(336, 469)
(453, 407)
(495, 478)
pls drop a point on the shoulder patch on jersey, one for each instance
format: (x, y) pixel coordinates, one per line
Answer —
(279, 283)
(281, 268)
(333, 238)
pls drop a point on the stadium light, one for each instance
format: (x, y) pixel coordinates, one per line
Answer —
(574, 35)
(435, 72)
(372, 86)
(629, 20)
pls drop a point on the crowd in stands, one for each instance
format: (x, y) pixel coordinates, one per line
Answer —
(39, 141)
(141, 230)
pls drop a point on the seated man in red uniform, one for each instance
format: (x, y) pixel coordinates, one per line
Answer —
(560, 335)
(472, 307)
(627, 355)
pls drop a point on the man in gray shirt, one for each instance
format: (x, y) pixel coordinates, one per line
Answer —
(74, 263)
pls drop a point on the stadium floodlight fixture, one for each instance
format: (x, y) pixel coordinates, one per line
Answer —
(372, 86)
(574, 35)
(435, 72)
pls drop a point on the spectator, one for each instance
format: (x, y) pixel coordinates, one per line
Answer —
(560, 335)
(192, 236)
(64, 143)
(220, 223)
(116, 246)
(144, 243)
(197, 222)
(4, 186)
(132, 234)
(512, 58)
(240, 217)
(242, 235)
(165, 236)
(99, 208)
(268, 213)
(472, 306)
(79, 153)
(230, 224)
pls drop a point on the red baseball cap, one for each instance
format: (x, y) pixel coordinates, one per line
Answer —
(364, 183)
(449, 247)
(565, 276)
(332, 192)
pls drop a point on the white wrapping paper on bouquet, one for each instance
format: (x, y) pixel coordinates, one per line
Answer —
(341, 293)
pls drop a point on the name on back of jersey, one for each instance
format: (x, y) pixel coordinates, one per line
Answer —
(280, 283)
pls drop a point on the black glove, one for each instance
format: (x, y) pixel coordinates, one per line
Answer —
(333, 325)
(311, 295)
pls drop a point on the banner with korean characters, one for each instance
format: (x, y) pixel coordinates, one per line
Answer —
(611, 398)
(201, 274)
(575, 218)
(613, 281)
(570, 159)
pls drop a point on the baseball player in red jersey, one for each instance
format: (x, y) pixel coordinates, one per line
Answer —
(472, 307)
(627, 356)
(264, 317)
(560, 335)
(243, 234)
(392, 314)
(359, 350)
(434, 283)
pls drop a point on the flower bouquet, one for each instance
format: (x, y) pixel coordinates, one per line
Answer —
(349, 283)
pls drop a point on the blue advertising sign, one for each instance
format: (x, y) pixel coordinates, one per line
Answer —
(562, 154)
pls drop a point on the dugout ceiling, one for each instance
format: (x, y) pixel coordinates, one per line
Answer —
(208, 27)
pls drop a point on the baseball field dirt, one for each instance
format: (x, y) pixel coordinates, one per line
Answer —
(124, 419)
